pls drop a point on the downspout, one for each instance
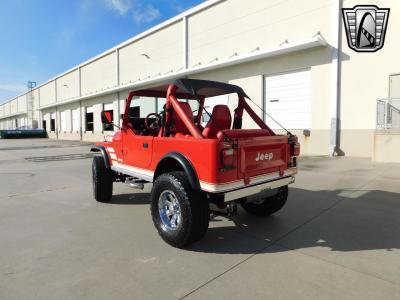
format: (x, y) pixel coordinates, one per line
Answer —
(80, 104)
(334, 147)
(56, 123)
(80, 122)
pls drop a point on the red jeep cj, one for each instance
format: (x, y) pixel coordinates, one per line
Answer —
(196, 171)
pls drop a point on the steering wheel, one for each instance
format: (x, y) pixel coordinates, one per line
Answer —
(152, 124)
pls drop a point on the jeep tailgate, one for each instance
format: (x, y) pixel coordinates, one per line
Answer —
(262, 155)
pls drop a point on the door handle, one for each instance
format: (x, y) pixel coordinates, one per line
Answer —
(274, 100)
(145, 145)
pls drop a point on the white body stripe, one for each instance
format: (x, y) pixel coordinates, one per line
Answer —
(133, 171)
(111, 150)
(148, 175)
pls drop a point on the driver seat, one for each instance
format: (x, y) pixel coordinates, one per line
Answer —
(180, 127)
(220, 120)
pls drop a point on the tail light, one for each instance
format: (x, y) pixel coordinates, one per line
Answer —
(294, 151)
(228, 158)
(294, 146)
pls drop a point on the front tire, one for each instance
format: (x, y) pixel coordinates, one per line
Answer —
(267, 206)
(102, 179)
(180, 214)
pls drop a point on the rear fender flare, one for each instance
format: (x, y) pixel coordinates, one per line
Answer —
(186, 165)
(103, 153)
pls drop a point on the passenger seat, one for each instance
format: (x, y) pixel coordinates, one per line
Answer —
(220, 120)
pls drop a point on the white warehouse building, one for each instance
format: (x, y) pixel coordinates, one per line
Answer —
(292, 58)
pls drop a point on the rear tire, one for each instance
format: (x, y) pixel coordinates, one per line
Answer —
(180, 214)
(267, 206)
(102, 179)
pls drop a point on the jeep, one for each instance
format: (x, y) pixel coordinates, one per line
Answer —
(196, 170)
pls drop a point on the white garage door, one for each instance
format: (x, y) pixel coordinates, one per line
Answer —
(288, 100)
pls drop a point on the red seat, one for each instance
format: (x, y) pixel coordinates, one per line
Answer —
(220, 120)
(180, 127)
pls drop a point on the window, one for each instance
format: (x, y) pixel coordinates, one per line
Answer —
(53, 122)
(44, 125)
(75, 120)
(160, 104)
(63, 123)
(89, 119)
(194, 104)
(145, 106)
(109, 108)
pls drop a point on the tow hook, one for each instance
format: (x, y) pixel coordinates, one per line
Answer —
(229, 211)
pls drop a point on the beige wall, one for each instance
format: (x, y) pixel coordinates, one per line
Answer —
(48, 94)
(357, 142)
(68, 86)
(7, 108)
(99, 75)
(238, 26)
(14, 106)
(21, 103)
(165, 49)
(365, 78)
(386, 146)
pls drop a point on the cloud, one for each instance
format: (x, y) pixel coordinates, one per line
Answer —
(178, 7)
(14, 88)
(145, 14)
(137, 9)
(120, 6)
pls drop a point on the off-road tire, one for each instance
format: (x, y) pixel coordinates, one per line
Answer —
(102, 179)
(195, 213)
(267, 206)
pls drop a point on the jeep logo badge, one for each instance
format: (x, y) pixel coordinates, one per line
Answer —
(365, 27)
(264, 156)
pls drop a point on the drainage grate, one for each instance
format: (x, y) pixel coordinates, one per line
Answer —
(59, 157)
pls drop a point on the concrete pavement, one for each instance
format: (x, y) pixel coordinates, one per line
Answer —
(337, 237)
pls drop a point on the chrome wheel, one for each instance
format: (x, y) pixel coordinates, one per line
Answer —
(170, 210)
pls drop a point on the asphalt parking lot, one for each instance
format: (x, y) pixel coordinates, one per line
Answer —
(338, 237)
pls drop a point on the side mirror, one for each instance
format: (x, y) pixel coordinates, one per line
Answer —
(106, 118)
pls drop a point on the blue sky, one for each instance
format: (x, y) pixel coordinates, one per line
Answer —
(42, 38)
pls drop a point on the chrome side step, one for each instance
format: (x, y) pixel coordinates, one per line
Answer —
(135, 183)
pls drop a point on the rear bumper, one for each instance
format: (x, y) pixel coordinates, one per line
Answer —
(239, 184)
(255, 189)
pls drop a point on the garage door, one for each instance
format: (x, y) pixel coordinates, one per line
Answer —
(288, 100)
